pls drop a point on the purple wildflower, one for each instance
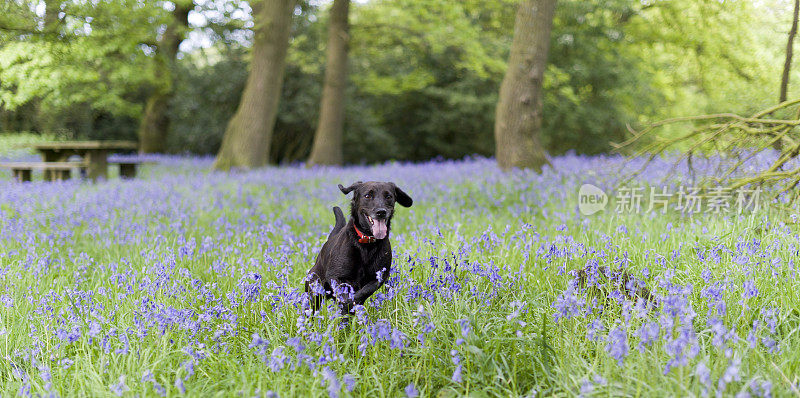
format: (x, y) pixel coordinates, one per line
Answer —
(397, 340)
(334, 387)
(349, 382)
(750, 289)
(594, 330)
(277, 360)
(586, 388)
(259, 344)
(456, 361)
(411, 391)
(618, 344)
(681, 348)
(456, 378)
(466, 327)
(119, 387)
(568, 304)
(179, 385)
(721, 333)
(703, 376)
(7, 301)
(648, 333)
(731, 374)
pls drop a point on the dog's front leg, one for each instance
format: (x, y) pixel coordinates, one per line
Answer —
(363, 294)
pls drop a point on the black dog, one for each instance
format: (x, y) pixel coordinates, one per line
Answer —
(356, 259)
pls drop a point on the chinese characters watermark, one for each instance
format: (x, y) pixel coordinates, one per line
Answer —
(689, 200)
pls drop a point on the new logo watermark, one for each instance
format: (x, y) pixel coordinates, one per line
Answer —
(591, 199)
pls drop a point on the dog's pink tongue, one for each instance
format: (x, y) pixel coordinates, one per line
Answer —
(379, 229)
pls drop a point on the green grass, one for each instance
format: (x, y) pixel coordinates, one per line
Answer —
(120, 244)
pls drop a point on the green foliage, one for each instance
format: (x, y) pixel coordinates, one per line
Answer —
(731, 62)
(430, 72)
(594, 84)
(206, 96)
(92, 54)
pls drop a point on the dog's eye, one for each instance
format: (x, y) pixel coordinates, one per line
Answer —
(388, 196)
(367, 196)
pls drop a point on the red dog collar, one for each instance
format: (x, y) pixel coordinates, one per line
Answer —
(363, 238)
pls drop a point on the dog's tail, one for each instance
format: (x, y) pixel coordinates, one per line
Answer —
(337, 212)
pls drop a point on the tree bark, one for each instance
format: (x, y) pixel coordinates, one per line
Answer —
(327, 147)
(154, 127)
(51, 10)
(518, 117)
(789, 50)
(247, 137)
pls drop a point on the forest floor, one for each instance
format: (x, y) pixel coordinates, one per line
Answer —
(187, 281)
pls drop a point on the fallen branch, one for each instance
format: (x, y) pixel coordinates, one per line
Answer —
(734, 137)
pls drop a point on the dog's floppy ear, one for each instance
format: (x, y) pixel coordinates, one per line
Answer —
(350, 188)
(402, 197)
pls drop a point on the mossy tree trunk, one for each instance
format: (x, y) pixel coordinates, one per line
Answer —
(518, 117)
(154, 126)
(247, 137)
(327, 147)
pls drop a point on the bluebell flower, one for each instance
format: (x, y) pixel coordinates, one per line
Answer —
(617, 346)
(704, 377)
(179, 385)
(349, 382)
(568, 304)
(456, 378)
(594, 330)
(334, 387)
(277, 360)
(731, 374)
(648, 333)
(761, 389)
(119, 387)
(411, 391)
(586, 388)
(749, 289)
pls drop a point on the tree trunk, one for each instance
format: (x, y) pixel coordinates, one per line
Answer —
(788, 63)
(51, 10)
(155, 121)
(518, 117)
(247, 137)
(327, 147)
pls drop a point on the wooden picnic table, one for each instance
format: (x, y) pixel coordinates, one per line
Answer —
(93, 153)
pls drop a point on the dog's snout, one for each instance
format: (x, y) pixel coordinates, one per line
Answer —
(381, 213)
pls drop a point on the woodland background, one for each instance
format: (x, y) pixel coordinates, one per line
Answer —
(423, 76)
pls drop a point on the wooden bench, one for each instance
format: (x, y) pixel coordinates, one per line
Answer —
(54, 171)
(127, 168)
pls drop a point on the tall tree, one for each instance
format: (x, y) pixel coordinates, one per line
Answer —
(72, 63)
(518, 117)
(155, 121)
(248, 135)
(787, 65)
(327, 148)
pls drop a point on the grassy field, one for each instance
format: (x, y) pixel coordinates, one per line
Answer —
(185, 281)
